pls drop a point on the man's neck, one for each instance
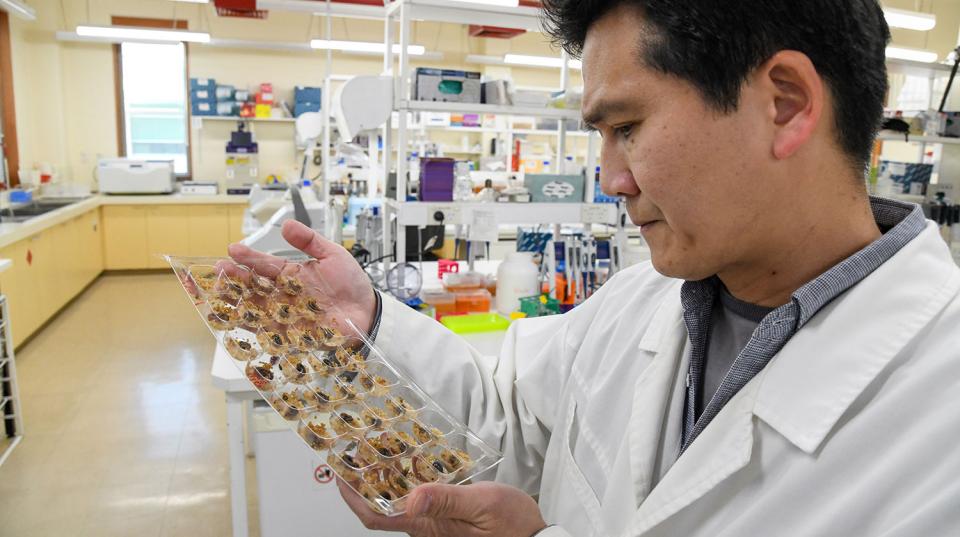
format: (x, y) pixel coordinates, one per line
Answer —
(805, 247)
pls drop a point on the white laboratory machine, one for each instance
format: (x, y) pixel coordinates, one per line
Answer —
(133, 176)
(297, 491)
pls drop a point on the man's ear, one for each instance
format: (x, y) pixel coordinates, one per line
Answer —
(796, 96)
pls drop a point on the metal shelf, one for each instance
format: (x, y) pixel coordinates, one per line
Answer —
(522, 17)
(469, 108)
(421, 213)
(8, 385)
(897, 137)
(234, 119)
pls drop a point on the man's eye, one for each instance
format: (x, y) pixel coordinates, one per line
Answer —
(624, 131)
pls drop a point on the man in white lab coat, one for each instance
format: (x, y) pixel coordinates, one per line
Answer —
(789, 364)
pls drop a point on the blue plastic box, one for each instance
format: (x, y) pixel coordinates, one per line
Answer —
(208, 84)
(305, 94)
(203, 94)
(302, 108)
(203, 107)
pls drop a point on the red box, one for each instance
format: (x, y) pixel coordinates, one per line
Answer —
(264, 98)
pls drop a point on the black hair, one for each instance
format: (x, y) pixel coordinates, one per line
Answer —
(716, 44)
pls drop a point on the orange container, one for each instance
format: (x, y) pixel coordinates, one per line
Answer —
(443, 302)
(473, 301)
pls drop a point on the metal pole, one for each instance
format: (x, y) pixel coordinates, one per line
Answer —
(327, 169)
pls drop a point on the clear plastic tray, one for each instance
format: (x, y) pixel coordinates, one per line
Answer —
(376, 428)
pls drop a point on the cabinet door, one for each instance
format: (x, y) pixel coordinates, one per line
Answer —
(168, 232)
(91, 237)
(125, 237)
(236, 222)
(49, 292)
(16, 284)
(209, 233)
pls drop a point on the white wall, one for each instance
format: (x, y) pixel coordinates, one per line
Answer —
(66, 108)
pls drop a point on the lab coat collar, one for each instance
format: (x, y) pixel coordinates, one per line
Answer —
(825, 367)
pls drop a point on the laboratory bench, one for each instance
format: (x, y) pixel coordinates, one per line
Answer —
(56, 255)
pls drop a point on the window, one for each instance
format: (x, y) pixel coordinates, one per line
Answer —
(155, 103)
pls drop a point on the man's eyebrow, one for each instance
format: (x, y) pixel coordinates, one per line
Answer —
(597, 113)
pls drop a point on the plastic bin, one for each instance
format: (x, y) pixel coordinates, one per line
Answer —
(476, 323)
(473, 301)
(443, 302)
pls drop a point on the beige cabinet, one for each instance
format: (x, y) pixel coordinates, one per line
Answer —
(209, 230)
(125, 237)
(236, 222)
(20, 290)
(168, 233)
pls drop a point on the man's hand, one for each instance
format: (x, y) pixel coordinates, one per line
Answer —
(480, 510)
(333, 270)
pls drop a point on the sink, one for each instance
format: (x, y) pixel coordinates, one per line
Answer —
(21, 214)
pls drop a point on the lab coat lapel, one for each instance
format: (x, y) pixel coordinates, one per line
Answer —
(665, 338)
(722, 449)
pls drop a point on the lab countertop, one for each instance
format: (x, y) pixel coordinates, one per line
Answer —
(14, 232)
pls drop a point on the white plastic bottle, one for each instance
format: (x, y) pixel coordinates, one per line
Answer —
(516, 278)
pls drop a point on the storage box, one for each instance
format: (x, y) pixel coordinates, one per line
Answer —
(263, 110)
(228, 108)
(436, 179)
(305, 94)
(496, 92)
(444, 303)
(203, 107)
(264, 98)
(208, 84)
(913, 178)
(225, 92)
(203, 94)
(242, 95)
(304, 107)
(550, 188)
(446, 85)
(474, 301)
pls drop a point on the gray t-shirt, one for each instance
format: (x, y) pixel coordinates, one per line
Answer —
(732, 322)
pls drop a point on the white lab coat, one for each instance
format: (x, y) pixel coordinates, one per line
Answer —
(852, 429)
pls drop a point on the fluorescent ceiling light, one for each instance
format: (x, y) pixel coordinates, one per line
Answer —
(18, 8)
(504, 3)
(910, 20)
(912, 54)
(539, 61)
(125, 33)
(363, 46)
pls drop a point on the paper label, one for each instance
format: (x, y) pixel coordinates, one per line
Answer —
(483, 226)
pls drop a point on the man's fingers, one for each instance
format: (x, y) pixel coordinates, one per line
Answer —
(263, 264)
(368, 517)
(459, 502)
(306, 240)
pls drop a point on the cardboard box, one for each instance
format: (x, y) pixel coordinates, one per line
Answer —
(264, 110)
(447, 85)
(228, 108)
(552, 188)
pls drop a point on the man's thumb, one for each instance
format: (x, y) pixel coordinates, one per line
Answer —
(442, 501)
(305, 239)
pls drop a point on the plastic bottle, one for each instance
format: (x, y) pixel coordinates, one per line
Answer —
(463, 184)
(516, 278)
(488, 194)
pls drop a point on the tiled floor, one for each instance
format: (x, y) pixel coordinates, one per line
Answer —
(125, 434)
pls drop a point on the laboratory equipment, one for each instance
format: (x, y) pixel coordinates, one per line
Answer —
(552, 188)
(304, 206)
(476, 323)
(297, 491)
(196, 188)
(463, 183)
(377, 431)
(443, 302)
(473, 301)
(362, 103)
(243, 170)
(446, 85)
(436, 179)
(517, 277)
(134, 176)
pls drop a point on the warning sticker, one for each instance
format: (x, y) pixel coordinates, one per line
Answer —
(323, 474)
